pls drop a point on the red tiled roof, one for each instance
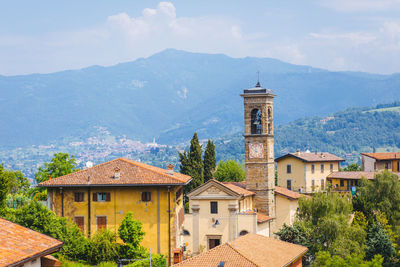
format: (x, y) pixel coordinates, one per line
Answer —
(239, 188)
(19, 244)
(261, 217)
(249, 250)
(354, 175)
(287, 193)
(312, 156)
(383, 156)
(130, 172)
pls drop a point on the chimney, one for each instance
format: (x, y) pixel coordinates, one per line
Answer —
(170, 169)
(116, 173)
(298, 152)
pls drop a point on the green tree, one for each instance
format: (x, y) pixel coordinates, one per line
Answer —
(61, 164)
(103, 247)
(39, 218)
(322, 224)
(229, 171)
(378, 242)
(352, 167)
(324, 259)
(4, 188)
(192, 164)
(381, 193)
(209, 161)
(131, 232)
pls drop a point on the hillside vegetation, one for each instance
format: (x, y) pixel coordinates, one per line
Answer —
(172, 94)
(346, 133)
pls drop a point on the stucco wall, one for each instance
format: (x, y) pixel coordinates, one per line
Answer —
(302, 175)
(285, 211)
(122, 200)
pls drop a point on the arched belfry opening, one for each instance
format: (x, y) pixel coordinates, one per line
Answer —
(269, 113)
(256, 121)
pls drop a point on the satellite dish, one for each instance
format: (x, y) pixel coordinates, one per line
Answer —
(89, 164)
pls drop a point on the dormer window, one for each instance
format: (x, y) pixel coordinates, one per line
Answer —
(256, 121)
(117, 173)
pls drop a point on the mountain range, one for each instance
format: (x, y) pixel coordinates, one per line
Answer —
(172, 94)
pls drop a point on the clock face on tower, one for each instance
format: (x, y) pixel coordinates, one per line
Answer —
(256, 150)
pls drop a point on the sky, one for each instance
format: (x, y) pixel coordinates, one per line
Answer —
(342, 35)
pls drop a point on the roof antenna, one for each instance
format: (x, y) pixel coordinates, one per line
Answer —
(258, 79)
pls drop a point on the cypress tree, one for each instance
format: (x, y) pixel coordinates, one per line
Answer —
(192, 164)
(209, 161)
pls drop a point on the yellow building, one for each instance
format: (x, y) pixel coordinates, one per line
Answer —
(372, 162)
(99, 197)
(305, 171)
(287, 204)
(349, 180)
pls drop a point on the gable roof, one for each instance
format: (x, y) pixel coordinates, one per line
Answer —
(249, 250)
(239, 187)
(354, 175)
(287, 193)
(130, 172)
(231, 188)
(19, 244)
(383, 156)
(311, 157)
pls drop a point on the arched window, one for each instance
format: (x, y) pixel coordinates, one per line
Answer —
(269, 128)
(269, 113)
(186, 232)
(256, 121)
(243, 232)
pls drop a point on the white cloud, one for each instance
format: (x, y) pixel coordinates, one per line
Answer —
(122, 37)
(183, 93)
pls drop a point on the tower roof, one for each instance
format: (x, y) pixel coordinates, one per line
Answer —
(258, 89)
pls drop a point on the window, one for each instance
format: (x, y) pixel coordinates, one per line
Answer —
(80, 221)
(243, 232)
(101, 222)
(289, 184)
(289, 168)
(322, 168)
(269, 128)
(331, 167)
(341, 183)
(386, 165)
(146, 196)
(256, 121)
(101, 196)
(214, 207)
(213, 242)
(312, 168)
(79, 196)
(322, 184)
(312, 184)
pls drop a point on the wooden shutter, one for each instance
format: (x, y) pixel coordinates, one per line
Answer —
(94, 196)
(101, 222)
(108, 196)
(80, 221)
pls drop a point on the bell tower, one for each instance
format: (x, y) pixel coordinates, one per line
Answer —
(259, 147)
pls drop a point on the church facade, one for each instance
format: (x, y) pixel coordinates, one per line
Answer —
(222, 212)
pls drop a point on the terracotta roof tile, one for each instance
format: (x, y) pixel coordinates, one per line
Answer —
(287, 193)
(312, 156)
(20, 244)
(223, 253)
(130, 172)
(261, 217)
(354, 175)
(249, 250)
(239, 188)
(383, 156)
